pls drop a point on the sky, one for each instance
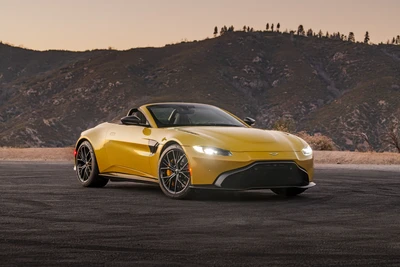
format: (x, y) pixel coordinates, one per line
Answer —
(123, 24)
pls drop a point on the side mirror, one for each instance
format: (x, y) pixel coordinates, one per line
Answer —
(249, 121)
(130, 120)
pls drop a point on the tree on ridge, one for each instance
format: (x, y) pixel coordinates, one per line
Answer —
(223, 30)
(366, 38)
(300, 30)
(351, 37)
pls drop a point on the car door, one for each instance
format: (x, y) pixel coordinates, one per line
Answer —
(128, 149)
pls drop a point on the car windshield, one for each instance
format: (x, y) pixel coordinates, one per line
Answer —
(172, 115)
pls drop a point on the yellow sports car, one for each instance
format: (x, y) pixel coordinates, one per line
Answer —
(184, 146)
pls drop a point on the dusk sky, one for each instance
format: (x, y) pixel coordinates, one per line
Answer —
(124, 24)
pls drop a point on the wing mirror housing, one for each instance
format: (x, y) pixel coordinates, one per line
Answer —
(131, 120)
(249, 121)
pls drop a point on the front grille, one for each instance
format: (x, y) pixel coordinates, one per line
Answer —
(264, 175)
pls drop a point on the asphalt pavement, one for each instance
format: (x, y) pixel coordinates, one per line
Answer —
(351, 218)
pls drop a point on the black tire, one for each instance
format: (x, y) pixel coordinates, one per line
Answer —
(174, 173)
(288, 192)
(87, 171)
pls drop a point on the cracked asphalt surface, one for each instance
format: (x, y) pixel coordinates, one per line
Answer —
(351, 218)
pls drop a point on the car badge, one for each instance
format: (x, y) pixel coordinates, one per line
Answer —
(274, 153)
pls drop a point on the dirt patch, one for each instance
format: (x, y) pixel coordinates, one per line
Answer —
(37, 154)
(346, 157)
(321, 157)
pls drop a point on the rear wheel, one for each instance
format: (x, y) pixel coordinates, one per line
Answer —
(288, 192)
(86, 167)
(174, 173)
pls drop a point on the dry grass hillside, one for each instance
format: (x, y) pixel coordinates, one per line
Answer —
(337, 88)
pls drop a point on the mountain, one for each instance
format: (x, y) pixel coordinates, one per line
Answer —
(336, 88)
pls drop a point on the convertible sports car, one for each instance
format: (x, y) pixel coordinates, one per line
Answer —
(183, 146)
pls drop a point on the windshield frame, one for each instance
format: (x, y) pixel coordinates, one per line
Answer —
(176, 106)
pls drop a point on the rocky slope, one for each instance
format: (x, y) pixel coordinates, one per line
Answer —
(340, 89)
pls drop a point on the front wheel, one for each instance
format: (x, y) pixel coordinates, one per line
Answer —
(174, 173)
(86, 167)
(288, 192)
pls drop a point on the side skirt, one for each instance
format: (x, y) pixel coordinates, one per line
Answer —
(122, 177)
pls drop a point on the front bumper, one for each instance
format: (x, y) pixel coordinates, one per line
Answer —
(246, 170)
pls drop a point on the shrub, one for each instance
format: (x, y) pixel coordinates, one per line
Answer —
(284, 125)
(392, 135)
(318, 141)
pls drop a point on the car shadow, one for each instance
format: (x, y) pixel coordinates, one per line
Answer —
(211, 195)
(242, 196)
(134, 186)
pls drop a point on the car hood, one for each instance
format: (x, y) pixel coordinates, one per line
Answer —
(242, 139)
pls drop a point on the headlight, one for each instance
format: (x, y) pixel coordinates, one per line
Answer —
(212, 151)
(307, 151)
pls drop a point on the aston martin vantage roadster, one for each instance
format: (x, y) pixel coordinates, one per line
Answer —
(187, 146)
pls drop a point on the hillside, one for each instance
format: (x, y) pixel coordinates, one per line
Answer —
(338, 88)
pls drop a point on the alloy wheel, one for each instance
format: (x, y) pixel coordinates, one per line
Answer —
(84, 163)
(174, 171)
